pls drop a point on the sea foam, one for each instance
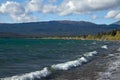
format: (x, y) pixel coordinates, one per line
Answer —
(90, 54)
(68, 65)
(47, 71)
(30, 76)
(104, 47)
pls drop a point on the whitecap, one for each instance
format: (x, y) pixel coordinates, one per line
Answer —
(47, 71)
(69, 64)
(90, 54)
(30, 76)
(104, 47)
(74, 63)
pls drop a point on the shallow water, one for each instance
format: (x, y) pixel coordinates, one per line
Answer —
(21, 56)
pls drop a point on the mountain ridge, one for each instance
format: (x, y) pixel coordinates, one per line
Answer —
(62, 21)
(56, 28)
(117, 23)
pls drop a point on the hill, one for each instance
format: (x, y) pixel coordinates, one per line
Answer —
(55, 28)
(117, 23)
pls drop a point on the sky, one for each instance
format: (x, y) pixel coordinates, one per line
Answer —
(23, 11)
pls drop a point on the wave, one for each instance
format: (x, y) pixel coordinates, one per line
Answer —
(70, 64)
(49, 70)
(90, 54)
(104, 47)
(30, 76)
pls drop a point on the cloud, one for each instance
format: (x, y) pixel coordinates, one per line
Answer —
(11, 8)
(24, 18)
(94, 17)
(118, 16)
(66, 8)
(52, 1)
(20, 12)
(72, 6)
(86, 6)
(49, 9)
(16, 11)
(38, 6)
(34, 6)
(115, 14)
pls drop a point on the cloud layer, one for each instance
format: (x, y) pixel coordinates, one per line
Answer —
(86, 6)
(113, 14)
(16, 11)
(21, 12)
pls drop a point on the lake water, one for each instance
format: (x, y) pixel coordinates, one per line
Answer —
(30, 59)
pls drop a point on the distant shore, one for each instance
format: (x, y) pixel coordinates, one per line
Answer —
(64, 38)
(113, 35)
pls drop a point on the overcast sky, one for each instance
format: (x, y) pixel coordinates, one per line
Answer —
(97, 11)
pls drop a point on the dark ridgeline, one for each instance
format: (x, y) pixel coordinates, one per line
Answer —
(54, 28)
(117, 23)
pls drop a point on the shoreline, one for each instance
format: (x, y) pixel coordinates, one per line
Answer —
(113, 68)
(103, 67)
(52, 38)
(88, 71)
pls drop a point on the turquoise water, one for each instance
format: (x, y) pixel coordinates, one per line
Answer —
(19, 56)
